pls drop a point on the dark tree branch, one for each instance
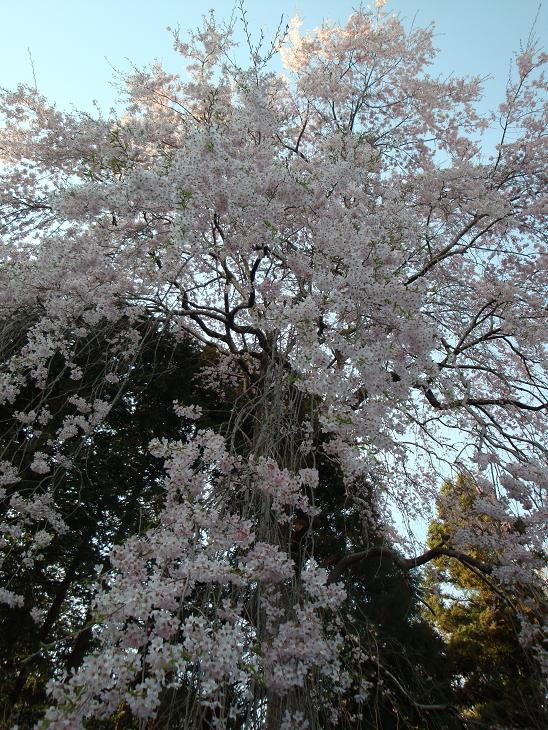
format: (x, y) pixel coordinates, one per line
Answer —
(406, 563)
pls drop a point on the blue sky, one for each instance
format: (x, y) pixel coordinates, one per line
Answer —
(76, 43)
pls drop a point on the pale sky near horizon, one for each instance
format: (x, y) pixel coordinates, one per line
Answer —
(75, 44)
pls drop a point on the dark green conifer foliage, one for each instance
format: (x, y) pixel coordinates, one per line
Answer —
(406, 664)
(112, 491)
(496, 681)
(467, 658)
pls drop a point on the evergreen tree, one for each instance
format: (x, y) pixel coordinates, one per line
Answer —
(496, 681)
(110, 491)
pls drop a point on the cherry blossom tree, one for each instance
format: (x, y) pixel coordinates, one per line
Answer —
(373, 287)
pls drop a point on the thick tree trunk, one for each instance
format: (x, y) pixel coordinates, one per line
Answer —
(278, 434)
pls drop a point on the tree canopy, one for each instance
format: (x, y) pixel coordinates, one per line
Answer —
(363, 292)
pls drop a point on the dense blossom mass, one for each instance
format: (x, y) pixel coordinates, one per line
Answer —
(369, 290)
